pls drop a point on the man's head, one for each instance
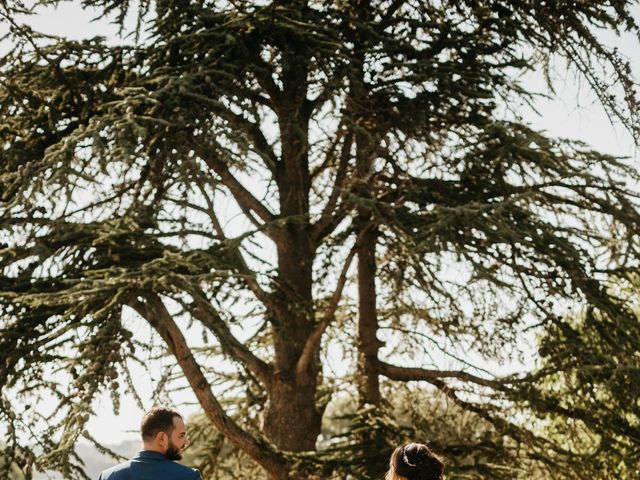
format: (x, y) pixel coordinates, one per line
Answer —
(163, 431)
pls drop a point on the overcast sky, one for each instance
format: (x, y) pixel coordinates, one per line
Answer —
(573, 113)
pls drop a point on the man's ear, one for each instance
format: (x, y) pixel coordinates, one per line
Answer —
(162, 439)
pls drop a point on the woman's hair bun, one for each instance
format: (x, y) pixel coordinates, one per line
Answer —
(412, 455)
(415, 461)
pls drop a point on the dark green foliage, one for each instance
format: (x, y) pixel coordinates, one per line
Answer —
(323, 121)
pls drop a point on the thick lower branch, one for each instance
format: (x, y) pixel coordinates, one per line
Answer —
(154, 311)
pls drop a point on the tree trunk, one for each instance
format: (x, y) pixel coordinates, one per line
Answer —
(366, 143)
(368, 381)
(292, 420)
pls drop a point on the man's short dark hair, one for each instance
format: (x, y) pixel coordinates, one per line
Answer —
(158, 419)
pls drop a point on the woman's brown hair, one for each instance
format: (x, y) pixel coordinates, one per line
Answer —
(414, 461)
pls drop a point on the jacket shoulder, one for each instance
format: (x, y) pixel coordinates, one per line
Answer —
(186, 473)
(118, 472)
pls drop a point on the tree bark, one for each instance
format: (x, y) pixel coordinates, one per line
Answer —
(368, 381)
(292, 393)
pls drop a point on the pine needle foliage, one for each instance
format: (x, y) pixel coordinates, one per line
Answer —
(285, 179)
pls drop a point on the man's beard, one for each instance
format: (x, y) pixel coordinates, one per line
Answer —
(173, 452)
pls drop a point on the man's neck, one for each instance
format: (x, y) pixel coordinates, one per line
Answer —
(151, 448)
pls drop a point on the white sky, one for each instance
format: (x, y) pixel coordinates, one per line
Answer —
(574, 114)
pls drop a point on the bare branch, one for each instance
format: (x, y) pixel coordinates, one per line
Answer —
(329, 219)
(211, 319)
(246, 274)
(245, 199)
(406, 374)
(210, 211)
(313, 341)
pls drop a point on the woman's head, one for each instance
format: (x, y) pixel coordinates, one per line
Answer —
(414, 461)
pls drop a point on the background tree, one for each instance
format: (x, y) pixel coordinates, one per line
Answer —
(344, 132)
(14, 472)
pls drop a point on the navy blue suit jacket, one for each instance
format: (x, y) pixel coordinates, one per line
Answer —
(150, 466)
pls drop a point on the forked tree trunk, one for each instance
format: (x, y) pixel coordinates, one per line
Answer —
(291, 419)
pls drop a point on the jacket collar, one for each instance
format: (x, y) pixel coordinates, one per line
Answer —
(148, 454)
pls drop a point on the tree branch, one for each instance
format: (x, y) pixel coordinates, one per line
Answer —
(247, 275)
(251, 129)
(329, 219)
(245, 199)
(155, 312)
(519, 434)
(313, 341)
(406, 374)
(210, 318)
(264, 75)
(393, 8)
